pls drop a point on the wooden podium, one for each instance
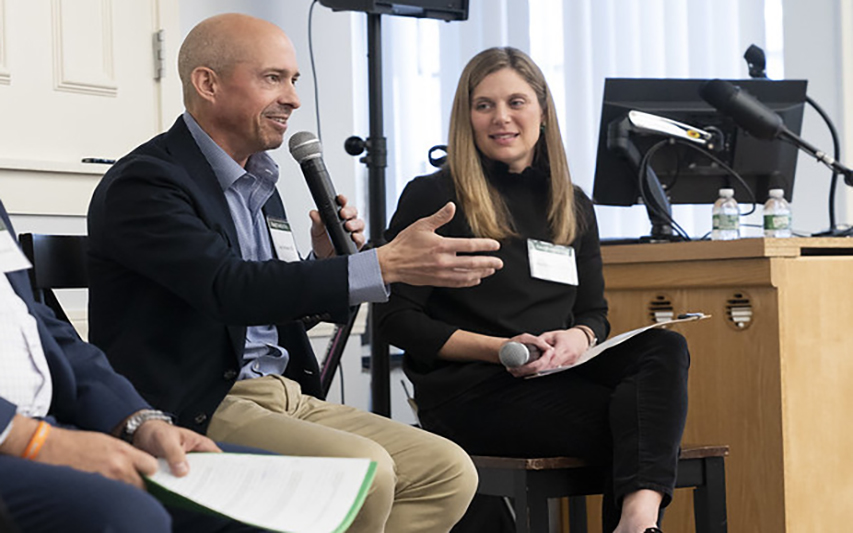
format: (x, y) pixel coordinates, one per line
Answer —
(771, 372)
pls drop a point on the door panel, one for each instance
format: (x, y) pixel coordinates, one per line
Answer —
(77, 80)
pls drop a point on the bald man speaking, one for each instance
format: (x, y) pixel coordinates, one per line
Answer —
(190, 299)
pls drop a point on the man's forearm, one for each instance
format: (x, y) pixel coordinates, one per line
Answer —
(21, 432)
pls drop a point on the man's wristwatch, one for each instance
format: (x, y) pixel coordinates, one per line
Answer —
(139, 418)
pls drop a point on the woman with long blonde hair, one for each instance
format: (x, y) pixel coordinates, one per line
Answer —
(507, 172)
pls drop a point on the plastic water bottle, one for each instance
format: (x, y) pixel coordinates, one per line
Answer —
(726, 224)
(777, 215)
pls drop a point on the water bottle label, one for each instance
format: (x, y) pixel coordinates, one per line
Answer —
(774, 222)
(724, 222)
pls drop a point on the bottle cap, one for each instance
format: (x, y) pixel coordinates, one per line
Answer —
(776, 193)
(728, 193)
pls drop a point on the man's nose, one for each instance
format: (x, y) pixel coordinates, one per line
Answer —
(289, 97)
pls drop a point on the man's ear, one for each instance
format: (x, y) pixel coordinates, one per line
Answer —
(206, 83)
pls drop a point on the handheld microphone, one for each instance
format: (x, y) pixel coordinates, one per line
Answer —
(513, 354)
(307, 151)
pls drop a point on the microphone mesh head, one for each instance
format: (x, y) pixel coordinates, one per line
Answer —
(718, 93)
(746, 110)
(514, 354)
(304, 145)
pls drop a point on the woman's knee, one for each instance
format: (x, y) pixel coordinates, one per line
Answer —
(671, 346)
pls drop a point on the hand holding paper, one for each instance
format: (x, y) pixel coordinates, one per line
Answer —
(619, 339)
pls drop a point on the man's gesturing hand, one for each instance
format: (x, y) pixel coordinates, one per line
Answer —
(419, 256)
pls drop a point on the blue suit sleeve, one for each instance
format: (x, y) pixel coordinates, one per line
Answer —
(88, 393)
(7, 413)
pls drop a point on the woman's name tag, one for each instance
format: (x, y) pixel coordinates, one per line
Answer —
(552, 262)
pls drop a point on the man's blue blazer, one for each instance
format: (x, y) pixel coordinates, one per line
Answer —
(87, 392)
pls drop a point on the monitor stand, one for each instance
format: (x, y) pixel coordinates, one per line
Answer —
(654, 196)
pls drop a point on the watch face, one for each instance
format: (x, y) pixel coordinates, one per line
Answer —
(140, 418)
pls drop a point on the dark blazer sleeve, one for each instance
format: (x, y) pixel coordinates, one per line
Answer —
(87, 392)
(7, 408)
(155, 220)
(403, 320)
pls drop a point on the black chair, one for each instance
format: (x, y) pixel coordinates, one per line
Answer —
(529, 482)
(59, 262)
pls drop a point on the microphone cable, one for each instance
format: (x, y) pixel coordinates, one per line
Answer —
(314, 71)
(729, 170)
(836, 154)
(642, 177)
(756, 61)
(320, 138)
(646, 163)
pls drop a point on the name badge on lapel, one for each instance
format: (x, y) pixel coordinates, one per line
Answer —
(282, 240)
(11, 257)
(552, 262)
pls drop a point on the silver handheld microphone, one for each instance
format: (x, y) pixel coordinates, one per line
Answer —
(513, 354)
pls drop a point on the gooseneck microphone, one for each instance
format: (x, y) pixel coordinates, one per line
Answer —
(747, 112)
(513, 354)
(307, 151)
(760, 121)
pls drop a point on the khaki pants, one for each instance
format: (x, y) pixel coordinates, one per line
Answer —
(423, 482)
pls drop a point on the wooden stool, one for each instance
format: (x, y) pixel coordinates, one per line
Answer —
(531, 481)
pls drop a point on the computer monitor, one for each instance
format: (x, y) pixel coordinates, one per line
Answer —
(434, 9)
(687, 176)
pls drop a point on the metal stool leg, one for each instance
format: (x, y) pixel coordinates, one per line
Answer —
(577, 514)
(537, 504)
(521, 504)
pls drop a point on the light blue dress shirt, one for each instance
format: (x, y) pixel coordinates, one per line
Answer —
(247, 191)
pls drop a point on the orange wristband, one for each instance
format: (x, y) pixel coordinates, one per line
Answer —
(37, 441)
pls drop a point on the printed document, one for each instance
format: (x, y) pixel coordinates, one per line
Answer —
(280, 493)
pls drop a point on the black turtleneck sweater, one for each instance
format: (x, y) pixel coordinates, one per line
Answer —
(420, 320)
